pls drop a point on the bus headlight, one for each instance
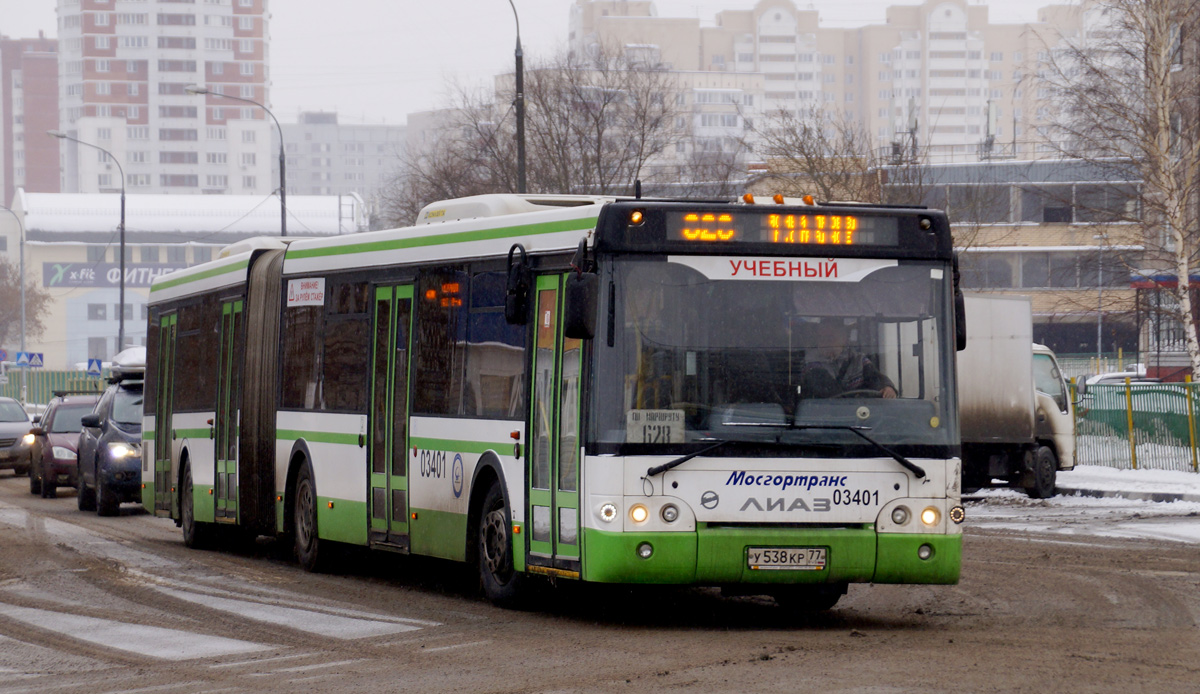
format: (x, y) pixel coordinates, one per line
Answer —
(608, 512)
(930, 516)
(645, 550)
(639, 513)
(670, 513)
(957, 514)
(900, 515)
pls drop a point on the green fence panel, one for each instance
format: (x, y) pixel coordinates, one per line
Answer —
(40, 384)
(1162, 432)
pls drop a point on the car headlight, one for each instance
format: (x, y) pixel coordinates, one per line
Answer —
(121, 450)
(28, 439)
(63, 453)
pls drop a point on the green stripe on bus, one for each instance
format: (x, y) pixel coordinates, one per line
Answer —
(201, 433)
(167, 284)
(479, 447)
(317, 436)
(147, 435)
(442, 239)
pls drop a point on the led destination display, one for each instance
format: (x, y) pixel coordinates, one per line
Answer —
(814, 229)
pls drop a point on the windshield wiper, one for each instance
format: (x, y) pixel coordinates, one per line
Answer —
(683, 459)
(858, 431)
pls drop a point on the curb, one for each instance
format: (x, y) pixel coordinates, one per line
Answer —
(1139, 496)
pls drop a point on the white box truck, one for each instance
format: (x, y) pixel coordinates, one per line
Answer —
(1015, 412)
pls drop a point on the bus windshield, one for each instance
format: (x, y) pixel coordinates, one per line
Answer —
(706, 349)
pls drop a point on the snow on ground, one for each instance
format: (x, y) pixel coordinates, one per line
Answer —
(1108, 516)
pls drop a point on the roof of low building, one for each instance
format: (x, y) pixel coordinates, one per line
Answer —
(221, 218)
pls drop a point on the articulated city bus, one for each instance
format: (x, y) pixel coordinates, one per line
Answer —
(759, 397)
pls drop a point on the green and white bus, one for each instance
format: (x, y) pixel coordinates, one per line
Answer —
(617, 390)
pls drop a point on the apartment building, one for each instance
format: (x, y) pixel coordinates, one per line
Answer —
(937, 78)
(123, 71)
(28, 104)
(326, 157)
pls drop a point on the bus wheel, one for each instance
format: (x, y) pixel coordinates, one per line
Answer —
(808, 599)
(1045, 467)
(501, 582)
(309, 551)
(195, 535)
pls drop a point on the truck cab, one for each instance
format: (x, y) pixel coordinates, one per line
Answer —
(1055, 414)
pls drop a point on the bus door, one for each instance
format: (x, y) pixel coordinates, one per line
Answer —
(225, 427)
(388, 451)
(163, 498)
(553, 474)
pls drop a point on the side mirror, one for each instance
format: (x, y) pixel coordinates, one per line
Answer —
(580, 299)
(91, 421)
(960, 311)
(38, 431)
(520, 284)
(1081, 386)
(36, 418)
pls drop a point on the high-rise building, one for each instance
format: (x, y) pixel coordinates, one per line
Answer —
(937, 78)
(124, 68)
(28, 104)
(325, 157)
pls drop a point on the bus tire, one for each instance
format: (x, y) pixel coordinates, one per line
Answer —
(808, 599)
(196, 535)
(1045, 467)
(310, 551)
(502, 583)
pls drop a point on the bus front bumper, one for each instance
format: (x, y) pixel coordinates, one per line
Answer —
(719, 556)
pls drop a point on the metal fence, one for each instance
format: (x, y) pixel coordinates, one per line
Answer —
(41, 384)
(1140, 425)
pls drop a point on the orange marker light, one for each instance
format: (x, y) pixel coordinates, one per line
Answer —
(635, 217)
(330, 504)
(748, 199)
(808, 200)
(778, 198)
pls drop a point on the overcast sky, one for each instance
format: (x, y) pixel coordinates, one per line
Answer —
(378, 60)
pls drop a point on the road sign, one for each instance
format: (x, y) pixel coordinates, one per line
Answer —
(30, 359)
(93, 367)
(3, 355)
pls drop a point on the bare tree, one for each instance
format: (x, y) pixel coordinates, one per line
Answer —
(37, 303)
(810, 152)
(1126, 87)
(593, 125)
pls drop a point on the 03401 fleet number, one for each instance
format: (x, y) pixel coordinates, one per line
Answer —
(859, 497)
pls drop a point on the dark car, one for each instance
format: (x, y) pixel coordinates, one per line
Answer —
(54, 462)
(14, 436)
(110, 448)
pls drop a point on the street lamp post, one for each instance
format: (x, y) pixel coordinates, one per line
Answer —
(1100, 297)
(196, 89)
(21, 228)
(121, 302)
(519, 102)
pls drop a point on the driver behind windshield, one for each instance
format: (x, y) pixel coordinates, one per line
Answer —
(839, 368)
